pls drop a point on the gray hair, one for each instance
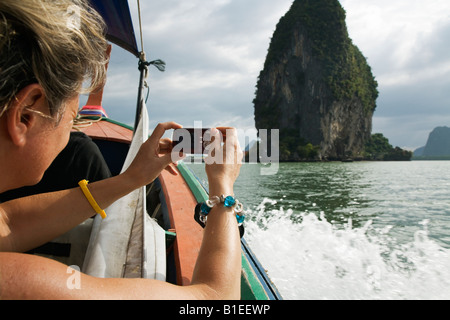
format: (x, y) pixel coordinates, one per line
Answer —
(57, 44)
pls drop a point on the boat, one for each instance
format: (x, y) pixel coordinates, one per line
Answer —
(150, 233)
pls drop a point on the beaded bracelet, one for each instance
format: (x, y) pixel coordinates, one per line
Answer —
(228, 202)
(203, 209)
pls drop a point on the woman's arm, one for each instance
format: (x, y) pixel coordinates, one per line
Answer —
(29, 222)
(220, 254)
(216, 276)
(35, 220)
(29, 277)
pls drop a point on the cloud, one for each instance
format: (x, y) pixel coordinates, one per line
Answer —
(407, 48)
(215, 49)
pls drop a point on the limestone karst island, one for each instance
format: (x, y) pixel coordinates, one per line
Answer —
(318, 90)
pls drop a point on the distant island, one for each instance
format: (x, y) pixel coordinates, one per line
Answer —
(437, 147)
(318, 90)
(378, 148)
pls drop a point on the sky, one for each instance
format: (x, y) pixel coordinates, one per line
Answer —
(215, 50)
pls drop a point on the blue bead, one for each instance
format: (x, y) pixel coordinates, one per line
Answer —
(229, 202)
(205, 209)
(240, 219)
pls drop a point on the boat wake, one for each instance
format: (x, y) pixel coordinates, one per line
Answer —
(311, 258)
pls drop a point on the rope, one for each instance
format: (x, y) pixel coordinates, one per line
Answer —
(143, 63)
(81, 122)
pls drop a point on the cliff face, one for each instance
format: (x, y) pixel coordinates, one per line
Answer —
(438, 143)
(316, 86)
(437, 147)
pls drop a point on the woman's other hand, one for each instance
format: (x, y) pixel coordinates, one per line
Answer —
(224, 161)
(154, 156)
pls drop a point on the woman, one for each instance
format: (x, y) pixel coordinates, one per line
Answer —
(46, 54)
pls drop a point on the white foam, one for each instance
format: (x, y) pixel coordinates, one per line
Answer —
(315, 259)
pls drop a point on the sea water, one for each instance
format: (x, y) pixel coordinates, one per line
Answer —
(363, 230)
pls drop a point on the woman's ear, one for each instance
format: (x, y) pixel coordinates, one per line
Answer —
(20, 116)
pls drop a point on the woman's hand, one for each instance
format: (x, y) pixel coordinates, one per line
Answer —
(224, 162)
(154, 156)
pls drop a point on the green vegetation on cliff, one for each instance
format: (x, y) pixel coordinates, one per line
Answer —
(345, 69)
(293, 147)
(379, 148)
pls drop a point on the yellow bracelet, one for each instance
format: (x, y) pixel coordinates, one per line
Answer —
(83, 185)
